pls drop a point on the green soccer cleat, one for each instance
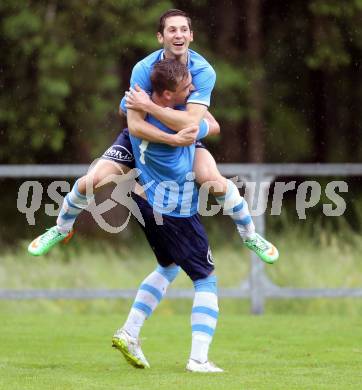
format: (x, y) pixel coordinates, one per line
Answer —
(42, 244)
(130, 348)
(263, 248)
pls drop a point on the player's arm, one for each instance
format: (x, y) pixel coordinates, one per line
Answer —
(139, 128)
(197, 103)
(208, 126)
(176, 120)
(214, 127)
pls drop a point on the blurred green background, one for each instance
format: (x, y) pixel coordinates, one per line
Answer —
(289, 89)
(288, 76)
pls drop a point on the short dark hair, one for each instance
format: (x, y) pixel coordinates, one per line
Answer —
(170, 13)
(166, 74)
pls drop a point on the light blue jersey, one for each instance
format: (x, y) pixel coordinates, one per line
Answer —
(166, 172)
(202, 73)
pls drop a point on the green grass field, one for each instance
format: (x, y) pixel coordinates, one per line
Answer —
(298, 344)
(270, 352)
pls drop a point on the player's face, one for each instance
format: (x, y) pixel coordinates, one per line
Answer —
(183, 90)
(176, 37)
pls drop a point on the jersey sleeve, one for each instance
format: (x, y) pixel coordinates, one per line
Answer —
(141, 75)
(203, 129)
(204, 82)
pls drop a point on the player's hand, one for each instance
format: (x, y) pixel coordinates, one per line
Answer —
(137, 99)
(186, 137)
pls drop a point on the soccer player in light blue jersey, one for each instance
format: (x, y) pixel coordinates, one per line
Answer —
(179, 240)
(175, 34)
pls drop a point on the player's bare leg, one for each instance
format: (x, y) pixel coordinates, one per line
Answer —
(227, 195)
(100, 175)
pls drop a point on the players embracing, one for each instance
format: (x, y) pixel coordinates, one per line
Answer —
(161, 123)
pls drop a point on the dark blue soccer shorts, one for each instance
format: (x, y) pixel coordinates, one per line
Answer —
(199, 144)
(121, 150)
(178, 240)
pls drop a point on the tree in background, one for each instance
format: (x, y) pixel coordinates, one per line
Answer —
(59, 73)
(333, 64)
(288, 76)
(254, 41)
(313, 52)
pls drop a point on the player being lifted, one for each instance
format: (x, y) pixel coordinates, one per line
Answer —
(175, 34)
(180, 241)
